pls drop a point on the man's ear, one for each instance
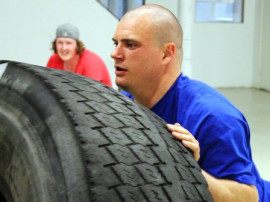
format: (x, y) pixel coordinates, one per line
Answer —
(169, 52)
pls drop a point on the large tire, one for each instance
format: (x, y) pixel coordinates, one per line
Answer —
(64, 137)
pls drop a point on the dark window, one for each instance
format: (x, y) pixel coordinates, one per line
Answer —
(119, 7)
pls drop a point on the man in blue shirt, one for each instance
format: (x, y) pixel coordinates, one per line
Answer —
(148, 56)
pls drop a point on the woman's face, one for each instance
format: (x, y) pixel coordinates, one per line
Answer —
(66, 48)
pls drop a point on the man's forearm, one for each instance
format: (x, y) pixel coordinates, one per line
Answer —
(228, 190)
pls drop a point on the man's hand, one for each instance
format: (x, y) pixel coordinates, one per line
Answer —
(221, 189)
(186, 137)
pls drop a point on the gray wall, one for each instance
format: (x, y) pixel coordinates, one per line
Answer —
(27, 28)
(225, 54)
(263, 41)
(222, 55)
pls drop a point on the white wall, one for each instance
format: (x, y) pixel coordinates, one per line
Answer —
(172, 5)
(224, 52)
(27, 28)
(220, 54)
(263, 55)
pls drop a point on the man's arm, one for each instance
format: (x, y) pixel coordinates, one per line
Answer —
(221, 189)
(229, 190)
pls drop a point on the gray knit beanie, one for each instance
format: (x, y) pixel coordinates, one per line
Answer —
(67, 30)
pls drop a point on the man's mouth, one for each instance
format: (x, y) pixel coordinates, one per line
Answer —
(119, 69)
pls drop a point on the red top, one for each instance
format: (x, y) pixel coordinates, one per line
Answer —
(89, 65)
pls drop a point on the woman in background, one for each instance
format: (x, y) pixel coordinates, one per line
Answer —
(70, 55)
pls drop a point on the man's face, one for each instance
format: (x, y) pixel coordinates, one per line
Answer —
(137, 56)
(66, 48)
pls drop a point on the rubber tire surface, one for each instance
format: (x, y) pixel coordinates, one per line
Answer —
(64, 137)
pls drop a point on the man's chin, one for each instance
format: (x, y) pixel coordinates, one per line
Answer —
(121, 85)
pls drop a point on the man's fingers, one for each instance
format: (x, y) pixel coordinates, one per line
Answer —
(182, 136)
(195, 148)
(177, 128)
(171, 127)
(188, 140)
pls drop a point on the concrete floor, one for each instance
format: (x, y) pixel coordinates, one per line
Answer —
(255, 105)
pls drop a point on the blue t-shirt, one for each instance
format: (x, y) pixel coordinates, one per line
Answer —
(220, 128)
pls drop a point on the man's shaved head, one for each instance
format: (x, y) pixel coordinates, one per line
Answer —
(164, 25)
(148, 52)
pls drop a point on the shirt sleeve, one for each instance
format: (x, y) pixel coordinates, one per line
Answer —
(225, 149)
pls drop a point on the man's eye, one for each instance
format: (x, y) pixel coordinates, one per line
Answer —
(130, 45)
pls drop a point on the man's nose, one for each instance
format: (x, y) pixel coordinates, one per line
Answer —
(117, 53)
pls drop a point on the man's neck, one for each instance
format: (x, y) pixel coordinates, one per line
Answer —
(150, 97)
